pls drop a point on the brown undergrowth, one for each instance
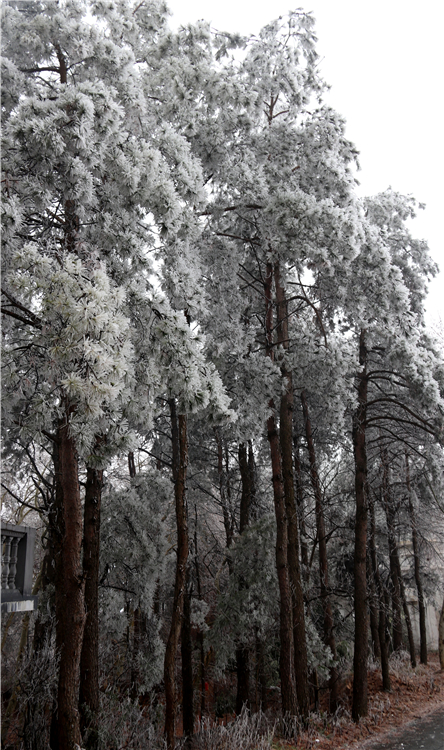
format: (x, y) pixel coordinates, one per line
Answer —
(415, 693)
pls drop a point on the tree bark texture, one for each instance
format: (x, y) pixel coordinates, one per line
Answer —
(286, 447)
(89, 661)
(299, 487)
(200, 635)
(246, 487)
(418, 579)
(393, 556)
(373, 612)
(286, 657)
(329, 637)
(224, 488)
(360, 685)
(407, 618)
(186, 647)
(261, 680)
(69, 598)
(441, 638)
(242, 653)
(180, 462)
(252, 470)
(382, 620)
(400, 583)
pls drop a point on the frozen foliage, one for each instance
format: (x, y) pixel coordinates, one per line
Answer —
(36, 681)
(123, 724)
(94, 180)
(244, 733)
(79, 352)
(247, 608)
(153, 186)
(134, 534)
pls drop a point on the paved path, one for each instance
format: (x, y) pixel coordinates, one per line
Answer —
(422, 734)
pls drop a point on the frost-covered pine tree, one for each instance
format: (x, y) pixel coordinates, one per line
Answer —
(281, 207)
(397, 381)
(95, 184)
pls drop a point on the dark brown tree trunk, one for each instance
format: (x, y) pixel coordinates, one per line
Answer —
(89, 662)
(382, 620)
(374, 612)
(299, 487)
(138, 618)
(243, 678)
(261, 680)
(180, 461)
(186, 647)
(200, 635)
(252, 470)
(418, 579)
(441, 638)
(224, 488)
(242, 653)
(384, 641)
(246, 488)
(407, 618)
(53, 540)
(69, 584)
(69, 595)
(393, 556)
(360, 685)
(398, 592)
(131, 464)
(371, 583)
(329, 638)
(286, 658)
(286, 447)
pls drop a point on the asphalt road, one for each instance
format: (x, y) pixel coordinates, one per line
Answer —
(421, 734)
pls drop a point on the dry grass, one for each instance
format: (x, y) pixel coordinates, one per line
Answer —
(246, 732)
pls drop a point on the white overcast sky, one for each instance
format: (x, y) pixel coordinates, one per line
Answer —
(384, 60)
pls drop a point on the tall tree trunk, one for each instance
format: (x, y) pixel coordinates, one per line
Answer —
(261, 680)
(186, 647)
(382, 620)
(407, 618)
(242, 653)
(69, 595)
(69, 583)
(245, 473)
(373, 611)
(200, 636)
(299, 487)
(418, 579)
(360, 685)
(398, 595)
(286, 447)
(286, 657)
(180, 462)
(89, 661)
(441, 638)
(371, 582)
(224, 488)
(252, 470)
(329, 638)
(393, 555)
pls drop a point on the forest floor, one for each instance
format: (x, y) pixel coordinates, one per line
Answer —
(415, 693)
